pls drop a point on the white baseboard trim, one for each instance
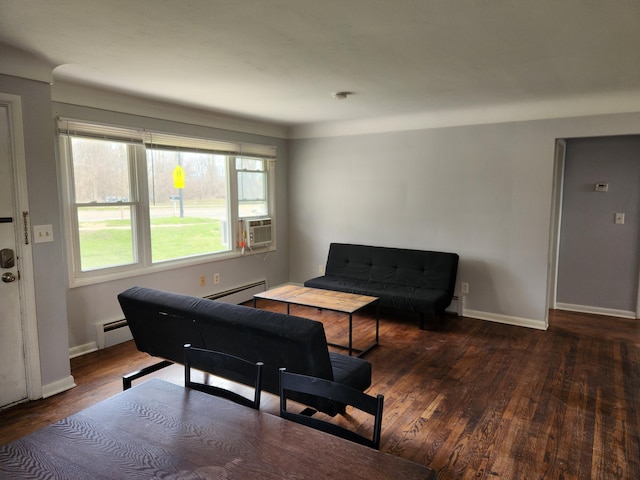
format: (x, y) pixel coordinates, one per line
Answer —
(58, 386)
(610, 312)
(506, 319)
(83, 349)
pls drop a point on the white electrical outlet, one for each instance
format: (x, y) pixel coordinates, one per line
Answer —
(619, 218)
(464, 288)
(321, 269)
(216, 278)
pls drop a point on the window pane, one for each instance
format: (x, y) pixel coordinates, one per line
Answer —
(192, 220)
(252, 194)
(105, 237)
(252, 187)
(100, 171)
(101, 175)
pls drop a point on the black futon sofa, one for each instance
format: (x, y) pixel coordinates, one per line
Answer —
(404, 279)
(162, 322)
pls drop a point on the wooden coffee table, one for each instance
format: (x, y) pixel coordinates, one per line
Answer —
(348, 303)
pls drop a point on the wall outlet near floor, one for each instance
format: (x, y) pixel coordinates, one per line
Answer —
(321, 269)
(619, 219)
(216, 278)
(464, 288)
(203, 280)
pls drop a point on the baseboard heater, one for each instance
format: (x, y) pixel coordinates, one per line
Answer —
(239, 295)
(117, 331)
(111, 333)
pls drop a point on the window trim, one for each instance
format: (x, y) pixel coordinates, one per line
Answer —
(141, 140)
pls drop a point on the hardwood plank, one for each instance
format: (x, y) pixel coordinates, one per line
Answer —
(472, 399)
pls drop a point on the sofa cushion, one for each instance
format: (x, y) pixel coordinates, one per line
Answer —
(277, 340)
(350, 371)
(400, 297)
(155, 318)
(396, 266)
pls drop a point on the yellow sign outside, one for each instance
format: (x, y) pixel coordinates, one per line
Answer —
(178, 177)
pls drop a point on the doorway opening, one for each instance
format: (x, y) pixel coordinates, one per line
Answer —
(594, 262)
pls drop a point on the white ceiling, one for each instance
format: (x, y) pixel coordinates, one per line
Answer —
(279, 61)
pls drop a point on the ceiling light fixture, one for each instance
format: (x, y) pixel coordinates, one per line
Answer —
(341, 95)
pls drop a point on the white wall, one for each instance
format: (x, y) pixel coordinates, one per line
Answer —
(481, 191)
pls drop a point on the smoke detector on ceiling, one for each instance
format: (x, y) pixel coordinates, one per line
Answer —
(341, 95)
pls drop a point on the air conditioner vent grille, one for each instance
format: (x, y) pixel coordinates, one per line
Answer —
(259, 232)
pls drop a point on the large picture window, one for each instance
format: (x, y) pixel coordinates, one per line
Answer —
(192, 219)
(137, 199)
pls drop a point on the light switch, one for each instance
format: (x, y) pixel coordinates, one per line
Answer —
(42, 233)
(619, 218)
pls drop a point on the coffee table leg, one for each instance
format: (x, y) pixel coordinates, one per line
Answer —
(350, 334)
(377, 321)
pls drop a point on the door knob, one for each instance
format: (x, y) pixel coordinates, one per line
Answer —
(8, 277)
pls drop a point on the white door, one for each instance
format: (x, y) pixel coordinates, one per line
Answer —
(13, 364)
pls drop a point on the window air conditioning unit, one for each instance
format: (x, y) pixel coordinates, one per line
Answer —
(258, 231)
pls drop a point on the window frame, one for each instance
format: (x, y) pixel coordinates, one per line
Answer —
(139, 198)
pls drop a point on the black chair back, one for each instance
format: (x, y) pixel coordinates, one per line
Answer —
(226, 366)
(292, 382)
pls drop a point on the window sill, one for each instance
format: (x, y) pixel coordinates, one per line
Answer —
(75, 282)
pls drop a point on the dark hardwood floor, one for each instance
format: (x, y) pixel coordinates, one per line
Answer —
(472, 399)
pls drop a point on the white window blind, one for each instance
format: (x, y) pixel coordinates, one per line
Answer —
(163, 141)
(105, 132)
(176, 142)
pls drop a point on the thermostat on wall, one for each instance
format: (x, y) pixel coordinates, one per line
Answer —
(602, 187)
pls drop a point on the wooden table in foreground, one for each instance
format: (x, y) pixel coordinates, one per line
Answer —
(162, 430)
(343, 302)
